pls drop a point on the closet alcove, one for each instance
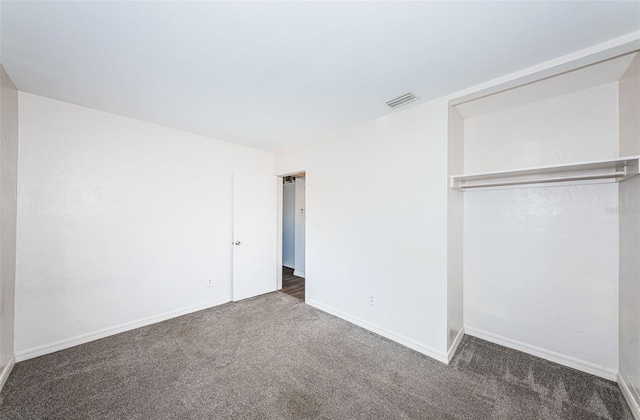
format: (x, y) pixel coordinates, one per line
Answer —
(544, 216)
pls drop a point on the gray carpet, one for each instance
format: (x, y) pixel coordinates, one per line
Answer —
(273, 357)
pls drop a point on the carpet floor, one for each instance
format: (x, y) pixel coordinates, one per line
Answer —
(274, 357)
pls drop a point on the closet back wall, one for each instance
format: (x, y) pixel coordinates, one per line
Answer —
(541, 264)
(120, 222)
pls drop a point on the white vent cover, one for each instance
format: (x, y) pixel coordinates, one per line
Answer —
(402, 100)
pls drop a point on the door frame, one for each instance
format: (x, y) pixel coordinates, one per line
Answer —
(279, 242)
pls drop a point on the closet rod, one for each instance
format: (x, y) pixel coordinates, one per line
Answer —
(545, 180)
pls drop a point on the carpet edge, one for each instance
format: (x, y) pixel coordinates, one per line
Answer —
(632, 401)
(407, 342)
(454, 345)
(7, 371)
(552, 356)
(41, 350)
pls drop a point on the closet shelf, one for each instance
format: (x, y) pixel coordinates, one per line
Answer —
(597, 171)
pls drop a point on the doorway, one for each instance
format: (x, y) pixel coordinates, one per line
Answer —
(293, 235)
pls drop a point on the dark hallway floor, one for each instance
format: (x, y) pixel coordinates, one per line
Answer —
(292, 285)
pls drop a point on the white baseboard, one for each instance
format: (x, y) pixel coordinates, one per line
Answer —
(407, 342)
(298, 273)
(454, 345)
(559, 358)
(632, 398)
(4, 375)
(106, 332)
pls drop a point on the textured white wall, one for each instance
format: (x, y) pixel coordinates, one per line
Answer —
(455, 234)
(8, 187)
(119, 220)
(629, 109)
(288, 224)
(541, 264)
(376, 225)
(569, 128)
(629, 207)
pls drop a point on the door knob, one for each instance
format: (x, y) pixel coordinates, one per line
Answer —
(237, 242)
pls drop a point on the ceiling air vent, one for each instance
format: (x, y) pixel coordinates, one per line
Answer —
(402, 100)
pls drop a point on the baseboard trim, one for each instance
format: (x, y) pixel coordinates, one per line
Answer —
(106, 332)
(552, 356)
(454, 345)
(298, 273)
(4, 375)
(407, 342)
(632, 399)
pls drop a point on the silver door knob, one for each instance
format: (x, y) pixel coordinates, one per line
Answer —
(237, 242)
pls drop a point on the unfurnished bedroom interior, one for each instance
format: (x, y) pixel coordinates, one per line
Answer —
(319, 210)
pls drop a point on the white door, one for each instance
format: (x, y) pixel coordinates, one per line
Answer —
(255, 234)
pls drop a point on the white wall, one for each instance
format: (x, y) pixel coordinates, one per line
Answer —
(629, 207)
(119, 220)
(629, 108)
(455, 234)
(376, 224)
(541, 264)
(300, 217)
(569, 128)
(288, 224)
(8, 187)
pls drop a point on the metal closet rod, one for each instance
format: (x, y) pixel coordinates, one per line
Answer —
(545, 180)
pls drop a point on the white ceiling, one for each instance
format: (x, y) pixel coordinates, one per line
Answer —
(274, 74)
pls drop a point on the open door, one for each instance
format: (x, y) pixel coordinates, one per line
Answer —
(255, 233)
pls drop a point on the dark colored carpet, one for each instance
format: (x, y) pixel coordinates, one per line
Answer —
(274, 357)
